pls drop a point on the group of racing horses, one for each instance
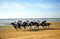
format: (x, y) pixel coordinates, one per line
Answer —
(20, 24)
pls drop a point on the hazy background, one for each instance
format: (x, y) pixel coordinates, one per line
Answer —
(29, 9)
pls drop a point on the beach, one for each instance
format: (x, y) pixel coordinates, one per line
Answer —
(8, 32)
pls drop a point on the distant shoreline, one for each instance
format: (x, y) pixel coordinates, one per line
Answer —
(26, 18)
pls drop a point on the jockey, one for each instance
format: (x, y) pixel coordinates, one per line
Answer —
(20, 22)
(44, 22)
(38, 22)
(15, 23)
(27, 22)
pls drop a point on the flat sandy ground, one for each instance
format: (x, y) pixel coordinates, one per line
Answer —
(9, 32)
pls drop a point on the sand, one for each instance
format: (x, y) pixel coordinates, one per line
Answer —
(10, 33)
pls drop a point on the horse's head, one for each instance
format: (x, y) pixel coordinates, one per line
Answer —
(12, 24)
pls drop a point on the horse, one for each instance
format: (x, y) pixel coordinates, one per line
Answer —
(45, 24)
(36, 24)
(48, 25)
(24, 25)
(19, 23)
(14, 25)
(31, 24)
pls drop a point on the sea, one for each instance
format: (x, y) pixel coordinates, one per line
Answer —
(6, 22)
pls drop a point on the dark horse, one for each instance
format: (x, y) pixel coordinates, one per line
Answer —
(45, 24)
(36, 24)
(24, 24)
(14, 25)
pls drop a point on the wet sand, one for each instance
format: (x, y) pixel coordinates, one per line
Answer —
(10, 33)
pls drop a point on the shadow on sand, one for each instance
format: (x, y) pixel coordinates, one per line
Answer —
(1, 38)
(44, 29)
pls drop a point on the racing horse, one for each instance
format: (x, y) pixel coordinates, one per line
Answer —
(45, 24)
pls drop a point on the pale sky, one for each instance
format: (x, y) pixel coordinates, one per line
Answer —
(29, 9)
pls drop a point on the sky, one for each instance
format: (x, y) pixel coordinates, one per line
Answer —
(29, 9)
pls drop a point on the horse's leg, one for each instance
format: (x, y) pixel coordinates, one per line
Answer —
(30, 26)
(19, 26)
(38, 27)
(15, 27)
(24, 27)
(48, 26)
(44, 27)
